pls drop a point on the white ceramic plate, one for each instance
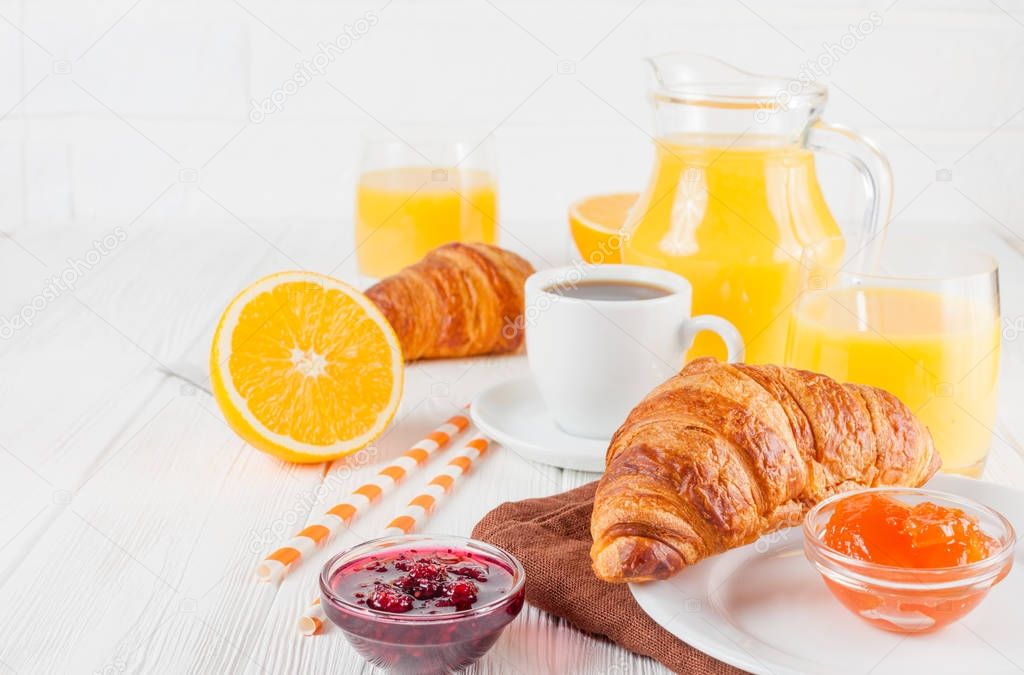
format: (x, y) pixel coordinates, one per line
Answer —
(763, 608)
(513, 414)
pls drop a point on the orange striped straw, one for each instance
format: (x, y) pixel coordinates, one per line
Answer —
(415, 513)
(422, 505)
(313, 620)
(278, 563)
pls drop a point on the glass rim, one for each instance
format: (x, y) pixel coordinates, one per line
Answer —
(394, 542)
(866, 571)
(425, 134)
(988, 265)
(427, 148)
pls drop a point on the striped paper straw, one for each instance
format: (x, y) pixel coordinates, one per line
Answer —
(422, 505)
(313, 620)
(415, 513)
(278, 563)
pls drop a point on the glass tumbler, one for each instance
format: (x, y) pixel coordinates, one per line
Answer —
(415, 195)
(916, 317)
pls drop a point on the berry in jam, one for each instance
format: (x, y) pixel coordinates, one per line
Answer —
(462, 594)
(387, 599)
(418, 606)
(434, 582)
(469, 569)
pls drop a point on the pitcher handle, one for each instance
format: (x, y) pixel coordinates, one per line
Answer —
(870, 163)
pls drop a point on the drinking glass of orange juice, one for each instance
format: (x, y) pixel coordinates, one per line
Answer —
(918, 318)
(414, 196)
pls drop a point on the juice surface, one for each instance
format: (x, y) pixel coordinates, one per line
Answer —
(403, 213)
(939, 355)
(880, 529)
(733, 221)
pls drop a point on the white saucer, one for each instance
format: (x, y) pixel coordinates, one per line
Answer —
(513, 414)
(763, 608)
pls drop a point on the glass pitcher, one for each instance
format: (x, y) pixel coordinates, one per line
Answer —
(734, 196)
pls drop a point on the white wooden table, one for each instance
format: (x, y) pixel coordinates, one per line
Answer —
(131, 517)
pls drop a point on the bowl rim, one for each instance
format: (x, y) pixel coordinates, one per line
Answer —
(397, 542)
(923, 577)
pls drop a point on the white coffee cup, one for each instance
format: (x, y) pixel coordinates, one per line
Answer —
(594, 360)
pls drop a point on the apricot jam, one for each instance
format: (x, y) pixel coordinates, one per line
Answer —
(883, 530)
(908, 560)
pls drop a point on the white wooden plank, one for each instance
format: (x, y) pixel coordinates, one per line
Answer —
(94, 439)
(175, 512)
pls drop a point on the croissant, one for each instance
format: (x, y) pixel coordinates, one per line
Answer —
(722, 453)
(459, 300)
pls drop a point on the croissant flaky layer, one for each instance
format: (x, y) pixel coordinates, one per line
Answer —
(459, 300)
(722, 453)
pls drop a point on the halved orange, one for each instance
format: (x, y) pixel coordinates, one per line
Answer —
(595, 223)
(305, 367)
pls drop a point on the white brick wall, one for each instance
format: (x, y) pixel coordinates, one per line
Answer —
(107, 102)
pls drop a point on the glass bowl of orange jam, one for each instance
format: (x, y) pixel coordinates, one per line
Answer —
(908, 560)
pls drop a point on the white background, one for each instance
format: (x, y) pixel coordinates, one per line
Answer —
(157, 87)
(127, 509)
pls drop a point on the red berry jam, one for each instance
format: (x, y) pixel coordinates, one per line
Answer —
(423, 581)
(418, 604)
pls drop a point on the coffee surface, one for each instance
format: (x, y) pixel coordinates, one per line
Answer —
(609, 290)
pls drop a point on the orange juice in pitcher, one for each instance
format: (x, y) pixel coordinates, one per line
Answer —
(734, 196)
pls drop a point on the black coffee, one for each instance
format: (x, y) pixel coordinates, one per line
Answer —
(609, 290)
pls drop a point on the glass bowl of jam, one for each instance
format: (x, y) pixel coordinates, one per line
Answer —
(422, 603)
(908, 560)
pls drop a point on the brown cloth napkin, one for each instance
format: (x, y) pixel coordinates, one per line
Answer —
(551, 537)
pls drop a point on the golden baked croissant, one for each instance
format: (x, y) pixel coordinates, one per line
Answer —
(722, 453)
(459, 300)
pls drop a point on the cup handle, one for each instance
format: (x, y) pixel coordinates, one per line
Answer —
(721, 327)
